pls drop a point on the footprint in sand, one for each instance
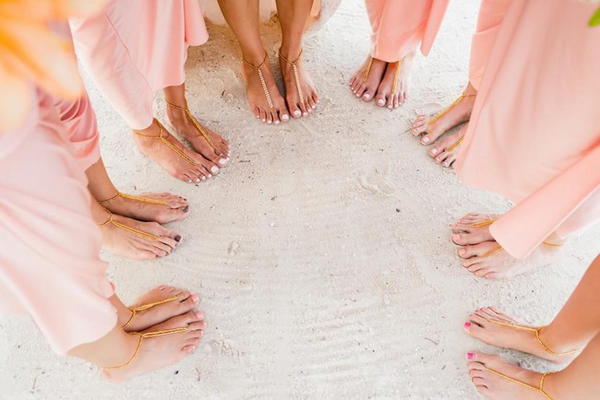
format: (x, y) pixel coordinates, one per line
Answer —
(377, 181)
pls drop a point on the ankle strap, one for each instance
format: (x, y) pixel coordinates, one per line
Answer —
(184, 108)
(539, 388)
(287, 60)
(256, 67)
(536, 332)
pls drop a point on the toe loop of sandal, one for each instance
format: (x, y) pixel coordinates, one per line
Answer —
(144, 307)
(396, 74)
(539, 389)
(201, 131)
(294, 65)
(450, 107)
(141, 337)
(261, 77)
(165, 140)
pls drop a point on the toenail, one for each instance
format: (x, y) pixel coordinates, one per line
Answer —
(297, 113)
(214, 169)
(198, 315)
(194, 298)
(223, 161)
(269, 122)
(178, 238)
(305, 114)
(425, 139)
(455, 237)
(467, 324)
(209, 176)
(189, 181)
(285, 117)
(434, 151)
(203, 178)
(380, 102)
(367, 96)
(314, 106)
(470, 356)
(197, 180)
(276, 122)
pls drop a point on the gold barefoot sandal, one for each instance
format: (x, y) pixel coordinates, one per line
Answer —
(396, 73)
(294, 65)
(261, 77)
(142, 199)
(141, 337)
(490, 221)
(199, 128)
(144, 307)
(539, 389)
(535, 331)
(124, 227)
(165, 140)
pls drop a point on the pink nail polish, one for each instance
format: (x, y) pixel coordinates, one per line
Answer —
(467, 324)
(470, 356)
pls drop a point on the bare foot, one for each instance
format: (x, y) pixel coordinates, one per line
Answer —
(184, 302)
(366, 80)
(393, 88)
(481, 255)
(167, 207)
(495, 387)
(431, 127)
(481, 326)
(445, 152)
(137, 240)
(300, 95)
(215, 149)
(171, 154)
(161, 351)
(266, 103)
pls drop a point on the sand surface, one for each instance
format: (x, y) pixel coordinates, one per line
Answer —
(321, 252)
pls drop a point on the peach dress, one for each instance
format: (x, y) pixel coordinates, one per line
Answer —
(534, 135)
(49, 259)
(137, 47)
(401, 26)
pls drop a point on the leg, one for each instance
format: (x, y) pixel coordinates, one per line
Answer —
(577, 381)
(573, 328)
(266, 103)
(206, 142)
(301, 96)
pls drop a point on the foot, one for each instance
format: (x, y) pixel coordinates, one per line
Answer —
(480, 327)
(492, 386)
(297, 105)
(393, 88)
(481, 255)
(216, 152)
(431, 127)
(259, 104)
(176, 207)
(366, 80)
(145, 319)
(191, 168)
(134, 246)
(444, 153)
(161, 351)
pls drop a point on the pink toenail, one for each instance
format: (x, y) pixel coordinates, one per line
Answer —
(434, 151)
(462, 252)
(425, 139)
(194, 298)
(455, 237)
(470, 356)
(467, 324)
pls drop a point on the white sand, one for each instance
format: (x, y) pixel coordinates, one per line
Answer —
(321, 252)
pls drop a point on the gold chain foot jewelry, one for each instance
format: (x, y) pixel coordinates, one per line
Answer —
(536, 332)
(368, 70)
(261, 77)
(294, 65)
(135, 198)
(396, 74)
(201, 131)
(119, 225)
(490, 221)
(450, 107)
(539, 389)
(455, 144)
(141, 337)
(165, 140)
(144, 307)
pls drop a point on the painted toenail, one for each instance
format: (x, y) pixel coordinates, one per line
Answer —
(194, 298)
(197, 180)
(209, 176)
(276, 122)
(203, 178)
(305, 114)
(470, 356)
(434, 151)
(467, 324)
(380, 102)
(223, 161)
(367, 96)
(269, 122)
(214, 169)
(264, 120)
(285, 117)
(297, 113)
(189, 181)
(425, 139)
(178, 238)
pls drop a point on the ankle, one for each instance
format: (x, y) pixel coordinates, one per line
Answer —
(291, 52)
(254, 57)
(555, 342)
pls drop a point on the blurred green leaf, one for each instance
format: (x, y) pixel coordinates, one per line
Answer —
(595, 20)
